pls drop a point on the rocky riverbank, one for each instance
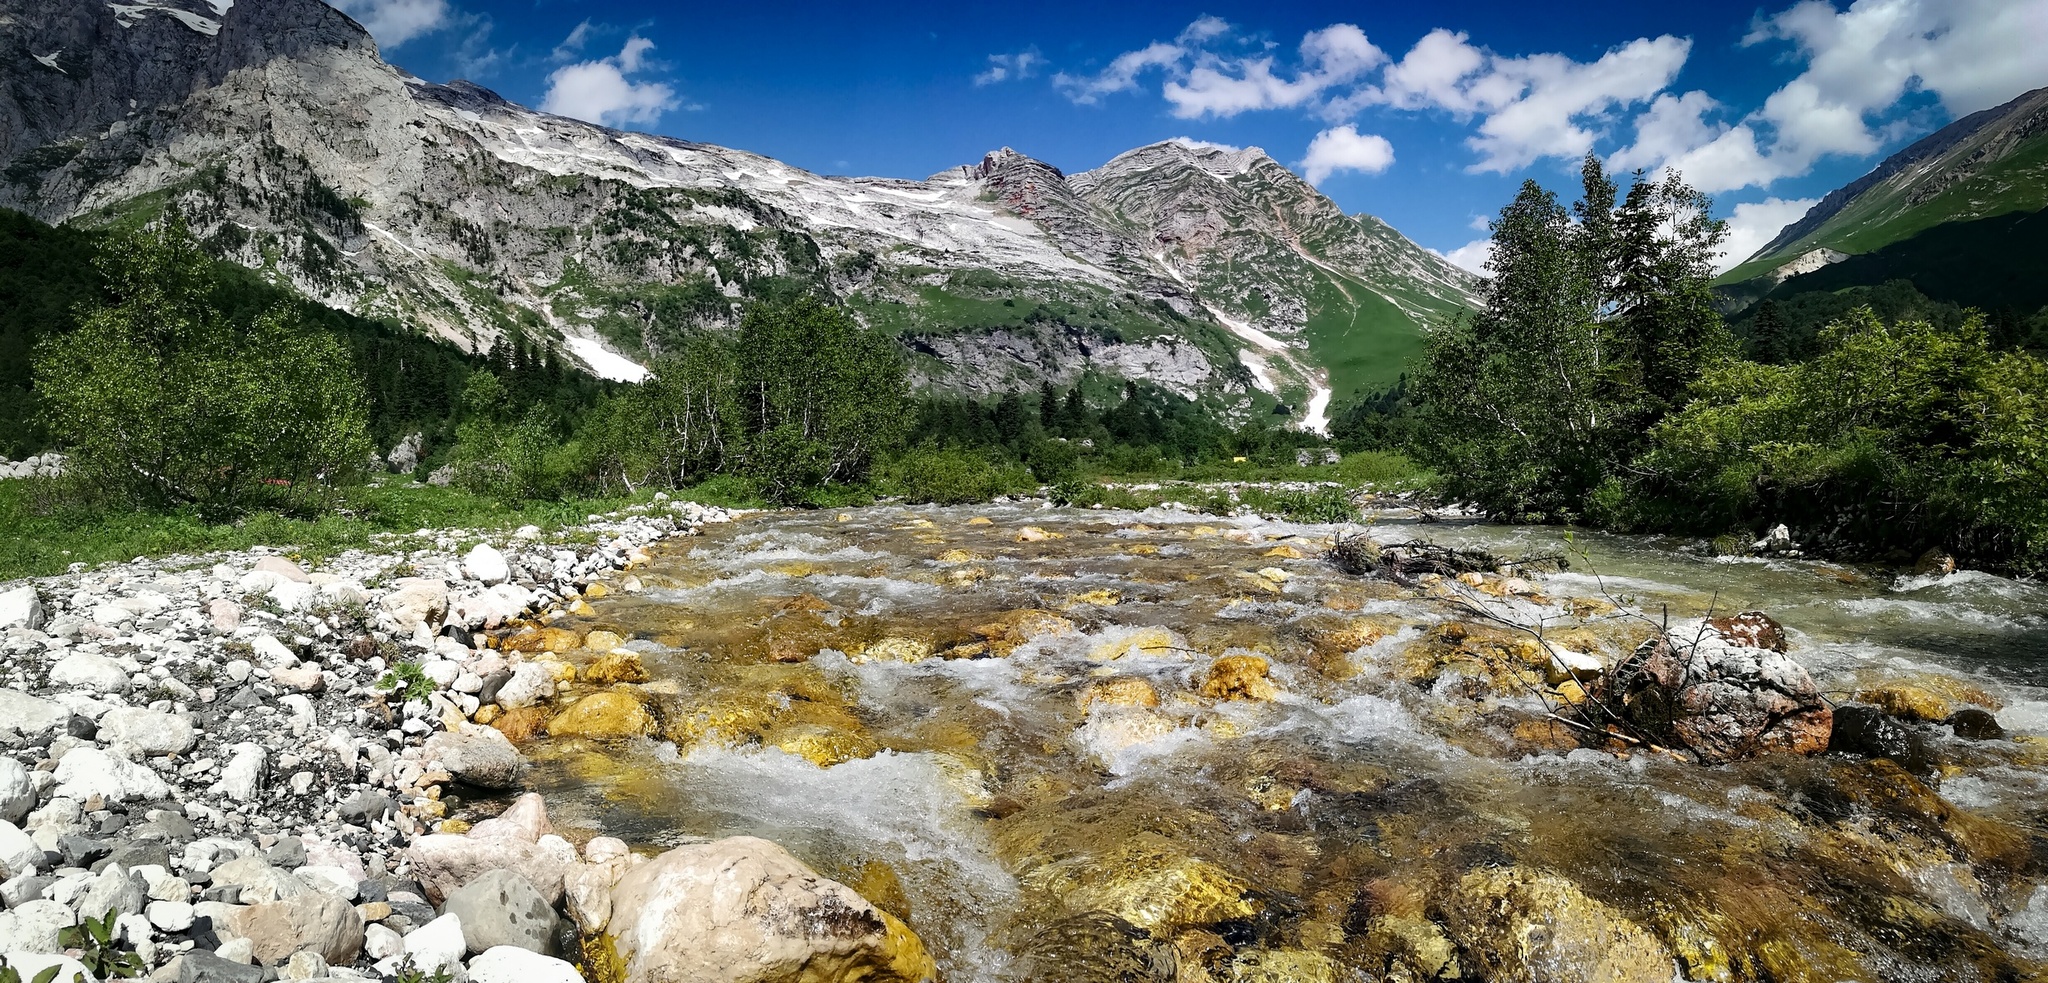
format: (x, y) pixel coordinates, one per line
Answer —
(243, 758)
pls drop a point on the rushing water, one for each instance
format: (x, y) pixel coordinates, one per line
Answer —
(1050, 795)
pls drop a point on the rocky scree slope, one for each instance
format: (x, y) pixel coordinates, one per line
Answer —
(293, 148)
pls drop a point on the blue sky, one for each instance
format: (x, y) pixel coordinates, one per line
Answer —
(1427, 115)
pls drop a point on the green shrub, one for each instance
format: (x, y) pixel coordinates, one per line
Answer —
(953, 477)
(162, 399)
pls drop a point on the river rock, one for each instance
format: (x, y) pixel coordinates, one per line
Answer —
(205, 967)
(242, 778)
(1869, 732)
(88, 772)
(511, 964)
(502, 908)
(17, 790)
(148, 731)
(414, 600)
(529, 684)
(35, 926)
(1976, 724)
(520, 839)
(1524, 926)
(742, 910)
(30, 715)
(604, 715)
(1752, 628)
(93, 673)
(485, 564)
(19, 853)
(477, 755)
(33, 964)
(21, 608)
(113, 889)
(437, 945)
(314, 920)
(283, 568)
(1239, 677)
(1717, 698)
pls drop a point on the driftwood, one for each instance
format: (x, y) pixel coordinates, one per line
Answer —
(1405, 563)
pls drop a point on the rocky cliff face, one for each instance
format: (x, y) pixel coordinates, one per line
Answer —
(276, 129)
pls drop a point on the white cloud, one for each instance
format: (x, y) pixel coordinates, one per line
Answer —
(599, 91)
(572, 45)
(1541, 105)
(1006, 68)
(1471, 256)
(1858, 64)
(1758, 222)
(1204, 29)
(1194, 144)
(1121, 75)
(1343, 148)
(394, 22)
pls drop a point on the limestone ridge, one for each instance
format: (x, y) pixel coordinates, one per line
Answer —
(1985, 164)
(292, 148)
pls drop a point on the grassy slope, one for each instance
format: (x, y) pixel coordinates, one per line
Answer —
(2017, 183)
(1987, 263)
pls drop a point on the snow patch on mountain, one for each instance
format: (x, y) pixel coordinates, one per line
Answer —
(130, 14)
(604, 362)
(50, 60)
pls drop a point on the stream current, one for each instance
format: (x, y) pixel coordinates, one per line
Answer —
(1001, 723)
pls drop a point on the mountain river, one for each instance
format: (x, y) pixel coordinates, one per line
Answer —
(1001, 723)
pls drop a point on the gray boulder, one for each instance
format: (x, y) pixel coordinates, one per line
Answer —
(480, 756)
(502, 908)
(151, 732)
(21, 608)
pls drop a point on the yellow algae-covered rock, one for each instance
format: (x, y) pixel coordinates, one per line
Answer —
(720, 718)
(602, 640)
(804, 602)
(1142, 549)
(821, 745)
(1100, 597)
(1908, 702)
(1013, 628)
(796, 568)
(1471, 578)
(1276, 575)
(1033, 534)
(1239, 677)
(520, 724)
(542, 640)
(1144, 642)
(966, 576)
(615, 667)
(603, 715)
(1413, 943)
(595, 591)
(1530, 926)
(1150, 882)
(743, 910)
(1121, 691)
(894, 648)
(582, 609)
(1286, 551)
(1282, 966)
(486, 713)
(961, 556)
(1203, 532)
(1112, 730)
(981, 520)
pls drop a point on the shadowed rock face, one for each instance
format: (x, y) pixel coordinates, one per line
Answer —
(88, 66)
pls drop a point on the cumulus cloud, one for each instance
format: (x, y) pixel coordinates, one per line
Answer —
(1858, 64)
(1007, 68)
(394, 22)
(1207, 73)
(1471, 256)
(1756, 223)
(600, 92)
(1121, 75)
(1343, 148)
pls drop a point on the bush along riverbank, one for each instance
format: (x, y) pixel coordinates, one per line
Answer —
(228, 764)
